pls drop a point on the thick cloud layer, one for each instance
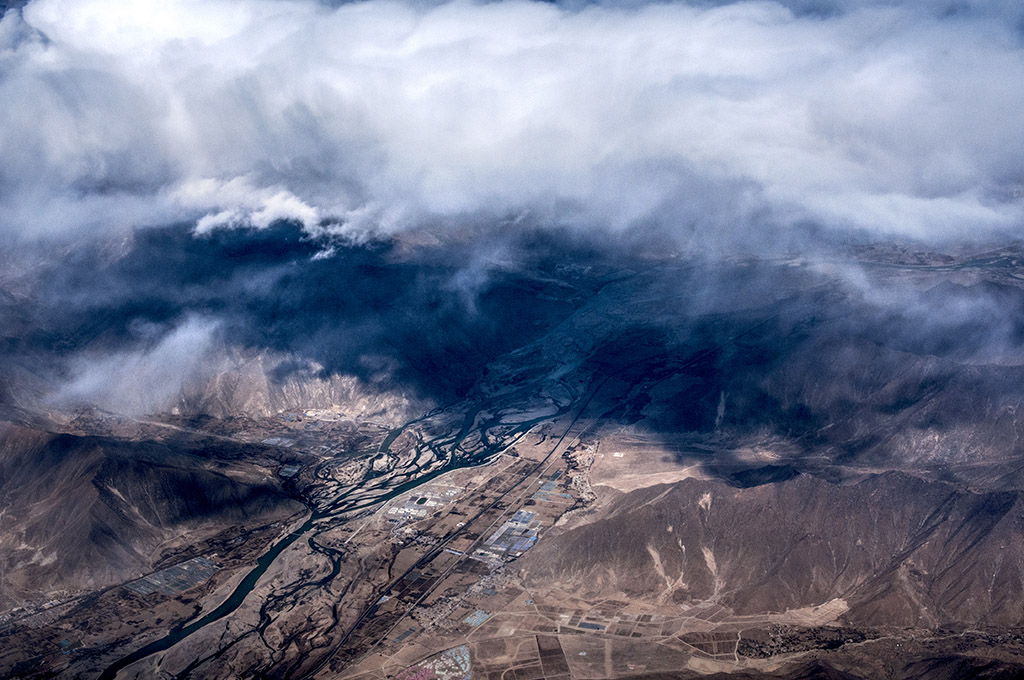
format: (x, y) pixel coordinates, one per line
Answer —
(718, 121)
(555, 143)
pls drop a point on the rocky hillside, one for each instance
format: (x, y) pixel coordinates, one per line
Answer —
(899, 550)
(262, 384)
(86, 512)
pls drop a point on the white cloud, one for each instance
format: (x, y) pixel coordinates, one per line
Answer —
(144, 380)
(249, 204)
(896, 118)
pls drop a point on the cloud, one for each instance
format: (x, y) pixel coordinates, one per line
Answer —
(715, 120)
(143, 379)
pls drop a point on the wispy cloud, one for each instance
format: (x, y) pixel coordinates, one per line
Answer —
(142, 379)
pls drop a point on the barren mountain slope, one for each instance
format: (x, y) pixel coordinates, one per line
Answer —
(86, 512)
(899, 550)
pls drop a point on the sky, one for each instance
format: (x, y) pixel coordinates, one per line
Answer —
(719, 122)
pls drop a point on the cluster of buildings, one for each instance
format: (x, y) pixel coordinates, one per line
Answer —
(422, 505)
(549, 492)
(511, 540)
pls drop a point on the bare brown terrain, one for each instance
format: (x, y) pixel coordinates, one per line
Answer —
(754, 489)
